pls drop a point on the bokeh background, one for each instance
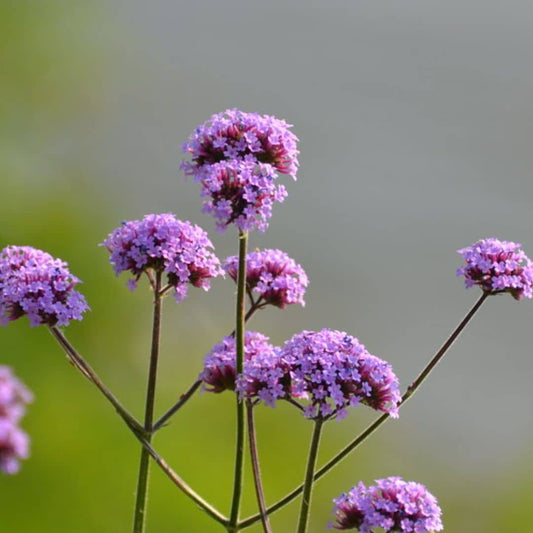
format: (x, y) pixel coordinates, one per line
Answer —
(415, 119)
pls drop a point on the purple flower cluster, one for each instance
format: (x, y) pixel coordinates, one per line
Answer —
(392, 504)
(234, 135)
(165, 244)
(35, 284)
(333, 371)
(273, 275)
(236, 157)
(329, 368)
(14, 443)
(219, 372)
(498, 266)
(241, 193)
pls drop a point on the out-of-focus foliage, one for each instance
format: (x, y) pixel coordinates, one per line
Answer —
(82, 472)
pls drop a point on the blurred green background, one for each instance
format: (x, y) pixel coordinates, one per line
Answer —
(415, 121)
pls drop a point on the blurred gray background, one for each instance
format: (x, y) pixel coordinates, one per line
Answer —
(415, 121)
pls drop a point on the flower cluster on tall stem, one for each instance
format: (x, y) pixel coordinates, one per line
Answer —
(497, 266)
(272, 277)
(163, 243)
(333, 370)
(236, 157)
(393, 504)
(35, 284)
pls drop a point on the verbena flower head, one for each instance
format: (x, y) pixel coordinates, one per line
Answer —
(392, 504)
(240, 193)
(498, 266)
(14, 446)
(163, 243)
(271, 274)
(220, 374)
(35, 284)
(14, 395)
(236, 156)
(238, 136)
(333, 371)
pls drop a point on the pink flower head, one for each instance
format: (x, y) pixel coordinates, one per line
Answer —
(271, 274)
(219, 372)
(236, 157)
(332, 370)
(497, 266)
(240, 193)
(238, 136)
(163, 243)
(35, 284)
(393, 504)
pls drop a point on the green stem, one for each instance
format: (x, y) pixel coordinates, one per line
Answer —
(79, 362)
(378, 422)
(239, 345)
(184, 487)
(184, 398)
(256, 468)
(144, 463)
(308, 483)
(85, 369)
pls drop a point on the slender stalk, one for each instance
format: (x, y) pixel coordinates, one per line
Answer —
(182, 485)
(79, 362)
(256, 468)
(144, 463)
(184, 398)
(379, 421)
(443, 349)
(310, 470)
(239, 345)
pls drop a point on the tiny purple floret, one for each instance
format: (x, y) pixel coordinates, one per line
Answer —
(276, 278)
(496, 267)
(163, 243)
(35, 284)
(392, 504)
(333, 370)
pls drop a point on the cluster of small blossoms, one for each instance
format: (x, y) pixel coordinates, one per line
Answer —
(35, 284)
(392, 504)
(241, 193)
(333, 371)
(273, 275)
(498, 266)
(163, 243)
(236, 157)
(219, 373)
(329, 368)
(14, 443)
(234, 135)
